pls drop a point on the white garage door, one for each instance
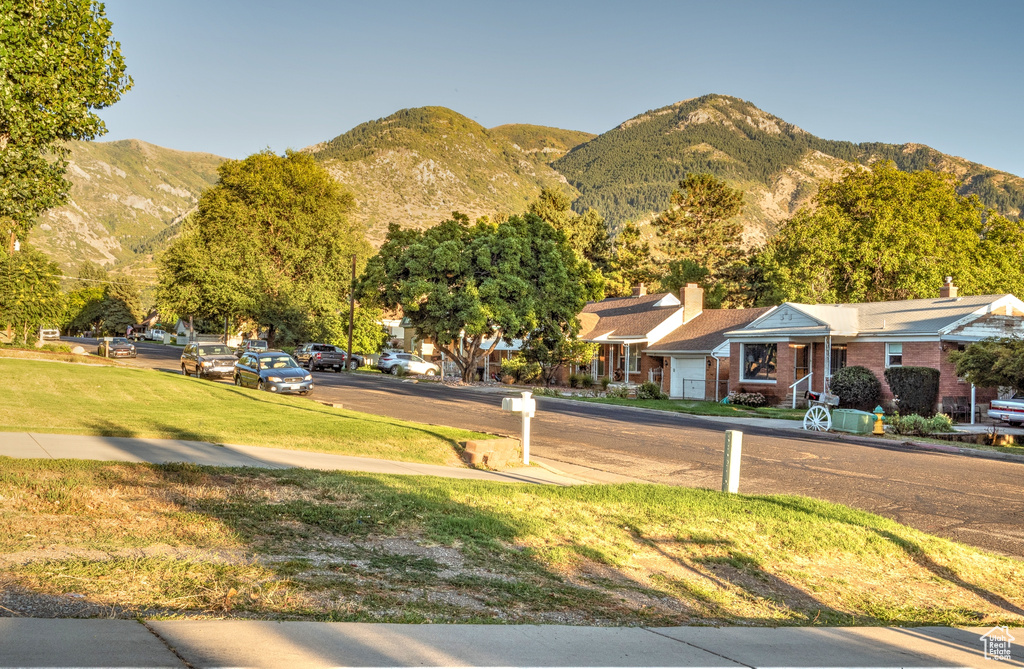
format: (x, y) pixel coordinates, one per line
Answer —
(688, 378)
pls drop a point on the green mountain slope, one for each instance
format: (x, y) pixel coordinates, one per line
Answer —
(628, 172)
(418, 165)
(125, 202)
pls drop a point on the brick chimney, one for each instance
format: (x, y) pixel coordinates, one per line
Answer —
(639, 290)
(948, 289)
(692, 297)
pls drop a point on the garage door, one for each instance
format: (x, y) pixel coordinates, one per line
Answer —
(688, 378)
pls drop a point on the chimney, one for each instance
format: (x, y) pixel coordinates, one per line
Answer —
(692, 297)
(639, 290)
(948, 289)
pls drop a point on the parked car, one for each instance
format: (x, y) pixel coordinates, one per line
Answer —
(117, 347)
(412, 363)
(207, 360)
(321, 356)
(273, 371)
(254, 345)
(49, 334)
(155, 335)
(1009, 411)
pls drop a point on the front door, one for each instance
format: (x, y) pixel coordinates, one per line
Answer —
(801, 361)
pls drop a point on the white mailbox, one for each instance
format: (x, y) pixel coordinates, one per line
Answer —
(527, 407)
(520, 405)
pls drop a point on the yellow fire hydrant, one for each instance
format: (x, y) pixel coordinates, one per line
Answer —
(879, 428)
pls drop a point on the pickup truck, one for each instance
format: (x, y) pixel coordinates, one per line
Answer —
(1009, 411)
(320, 356)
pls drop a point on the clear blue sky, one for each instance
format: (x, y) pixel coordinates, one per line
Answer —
(232, 77)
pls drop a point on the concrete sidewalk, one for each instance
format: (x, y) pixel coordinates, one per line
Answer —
(28, 642)
(158, 451)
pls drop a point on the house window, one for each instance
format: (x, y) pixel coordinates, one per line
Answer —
(759, 361)
(894, 355)
(838, 358)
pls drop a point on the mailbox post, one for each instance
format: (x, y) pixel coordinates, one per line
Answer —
(527, 406)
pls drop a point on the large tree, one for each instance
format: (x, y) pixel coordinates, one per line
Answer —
(631, 262)
(58, 62)
(882, 234)
(464, 284)
(586, 233)
(271, 243)
(701, 224)
(30, 295)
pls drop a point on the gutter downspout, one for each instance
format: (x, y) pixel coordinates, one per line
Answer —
(718, 365)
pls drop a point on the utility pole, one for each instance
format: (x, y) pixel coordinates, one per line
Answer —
(351, 310)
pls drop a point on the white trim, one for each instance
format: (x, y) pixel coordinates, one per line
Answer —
(668, 300)
(666, 327)
(895, 338)
(745, 382)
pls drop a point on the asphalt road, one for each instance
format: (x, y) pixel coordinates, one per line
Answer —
(972, 500)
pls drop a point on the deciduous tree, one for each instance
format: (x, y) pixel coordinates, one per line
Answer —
(992, 363)
(30, 294)
(58, 62)
(464, 284)
(271, 242)
(882, 234)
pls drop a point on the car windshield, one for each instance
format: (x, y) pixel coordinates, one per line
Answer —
(257, 343)
(215, 350)
(119, 340)
(277, 361)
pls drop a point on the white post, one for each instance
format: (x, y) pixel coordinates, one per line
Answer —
(731, 465)
(625, 364)
(526, 426)
(974, 397)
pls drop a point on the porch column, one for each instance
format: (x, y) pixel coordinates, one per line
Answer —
(826, 364)
(625, 363)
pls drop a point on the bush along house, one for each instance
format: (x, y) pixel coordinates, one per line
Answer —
(667, 339)
(798, 347)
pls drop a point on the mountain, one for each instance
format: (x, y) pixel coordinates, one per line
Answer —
(418, 165)
(126, 200)
(628, 172)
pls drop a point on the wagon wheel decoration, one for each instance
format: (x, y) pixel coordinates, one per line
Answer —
(818, 419)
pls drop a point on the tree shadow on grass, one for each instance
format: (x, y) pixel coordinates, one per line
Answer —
(915, 552)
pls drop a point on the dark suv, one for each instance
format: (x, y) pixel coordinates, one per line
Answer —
(207, 360)
(273, 371)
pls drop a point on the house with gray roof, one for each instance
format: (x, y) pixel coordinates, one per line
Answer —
(795, 347)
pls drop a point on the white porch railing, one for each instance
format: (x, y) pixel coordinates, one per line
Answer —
(792, 388)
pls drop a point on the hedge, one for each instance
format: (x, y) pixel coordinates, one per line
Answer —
(857, 388)
(916, 388)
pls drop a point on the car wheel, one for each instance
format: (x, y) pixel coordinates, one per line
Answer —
(238, 380)
(261, 385)
(1013, 423)
(353, 365)
(394, 370)
(184, 370)
(431, 372)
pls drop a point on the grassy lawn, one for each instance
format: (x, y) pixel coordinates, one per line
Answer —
(129, 402)
(702, 408)
(190, 541)
(1016, 449)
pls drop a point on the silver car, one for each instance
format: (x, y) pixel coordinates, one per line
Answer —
(410, 362)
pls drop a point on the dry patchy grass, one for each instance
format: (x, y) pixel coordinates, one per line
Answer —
(190, 541)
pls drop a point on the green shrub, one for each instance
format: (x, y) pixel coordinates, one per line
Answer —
(605, 382)
(857, 388)
(586, 381)
(650, 391)
(748, 399)
(520, 370)
(918, 425)
(621, 392)
(916, 388)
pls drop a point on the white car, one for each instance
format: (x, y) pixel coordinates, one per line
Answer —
(155, 335)
(1009, 411)
(49, 333)
(410, 362)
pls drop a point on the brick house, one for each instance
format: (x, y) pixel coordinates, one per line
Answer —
(694, 358)
(797, 347)
(661, 337)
